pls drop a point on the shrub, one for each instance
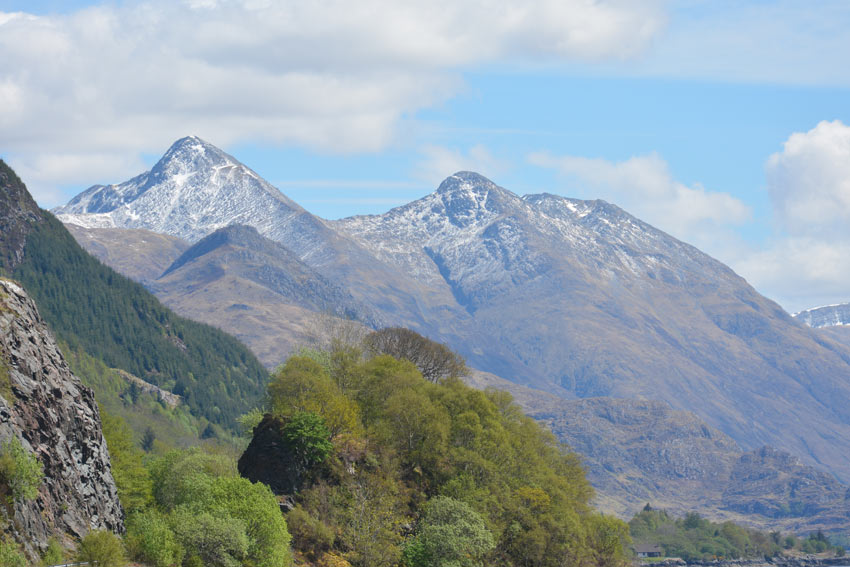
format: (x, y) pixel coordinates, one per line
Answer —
(53, 554)
(151, 540)
(20, 471)
(10, 556)
(103, 548)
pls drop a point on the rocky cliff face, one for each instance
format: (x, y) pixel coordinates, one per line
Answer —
(55, 417)
(17, 212)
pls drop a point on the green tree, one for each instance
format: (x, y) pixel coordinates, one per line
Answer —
(131, 477)
(450, 534)
(148, 439)
(53, 555)
(303, 385)
(608, 539)
(309, 438)
(210, 540)
(151, 540)
(217, 517)
(102, 548)
(257, 508)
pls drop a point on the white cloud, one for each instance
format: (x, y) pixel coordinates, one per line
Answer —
(126, 78)
(439, 162)
(808, 261)
(799, 272)
(644, 186)
(809, 181)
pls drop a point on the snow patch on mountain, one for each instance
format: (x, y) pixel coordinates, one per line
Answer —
(826, 316)
(192, 191)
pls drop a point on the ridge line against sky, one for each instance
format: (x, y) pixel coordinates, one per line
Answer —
(723, 123)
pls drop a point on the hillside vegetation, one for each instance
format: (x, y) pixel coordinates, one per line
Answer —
(383, 467)
(694, 538)
(92, 308)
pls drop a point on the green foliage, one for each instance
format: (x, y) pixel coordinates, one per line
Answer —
(10, 556)
(102, 548)
(172, 427)
(20, 471)
(450, 534)
(818, 542)
(418, 443)
(309, 438)
(694, 538)
(214, 541)
(303, 385)
(148, 439)
(54, 554)
(6, 381)
(248, 421)
(150, 539)
(92, 308)
(608, 539)
(182, 477)
(131, 477)
(208, 515)
(310, 535)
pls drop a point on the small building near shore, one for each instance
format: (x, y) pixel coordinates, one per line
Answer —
(644, 550)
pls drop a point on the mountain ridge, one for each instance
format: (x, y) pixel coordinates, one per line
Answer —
(584, 300)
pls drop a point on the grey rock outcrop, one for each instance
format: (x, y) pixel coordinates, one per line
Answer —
(55, 417)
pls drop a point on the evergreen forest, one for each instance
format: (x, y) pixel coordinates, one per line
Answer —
(92, 308)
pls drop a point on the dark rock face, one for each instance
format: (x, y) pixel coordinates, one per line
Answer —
(269, 459)
(54, 416)
(17, 211)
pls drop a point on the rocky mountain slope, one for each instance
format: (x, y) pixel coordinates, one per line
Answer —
(258, 290)
(141, 255)
(576, 297)
(642, 451)
(55, 417)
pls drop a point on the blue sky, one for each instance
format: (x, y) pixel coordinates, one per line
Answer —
(723, 123)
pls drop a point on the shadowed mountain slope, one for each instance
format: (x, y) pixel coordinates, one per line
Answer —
(257, 290)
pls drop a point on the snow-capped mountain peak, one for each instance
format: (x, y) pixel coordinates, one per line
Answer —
(193, 190)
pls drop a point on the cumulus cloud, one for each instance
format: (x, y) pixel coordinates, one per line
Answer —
(644, 186)
(120, 79)
(808, 260)
(809, 181)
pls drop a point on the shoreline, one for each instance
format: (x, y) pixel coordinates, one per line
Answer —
(809, 561)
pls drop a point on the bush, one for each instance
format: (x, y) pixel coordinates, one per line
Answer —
(151, 540)
(309, 534)
(10, 556)
(451, 534)
(53, 554)
(103, 548)
(20, 471)
(219, 542)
